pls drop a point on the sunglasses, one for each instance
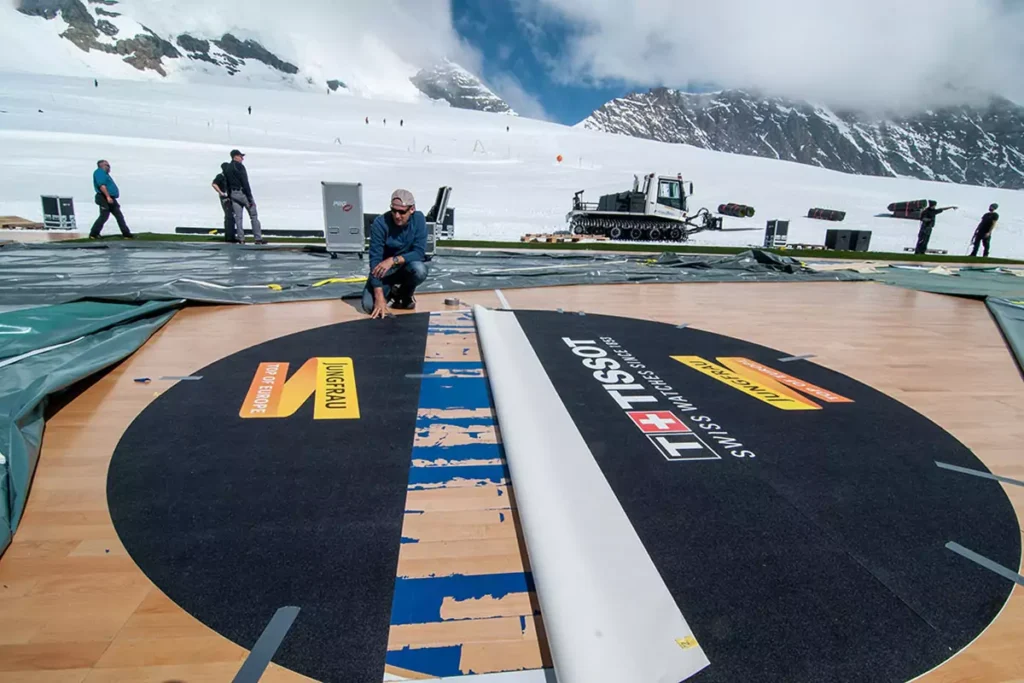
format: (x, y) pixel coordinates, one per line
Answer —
(401, 212)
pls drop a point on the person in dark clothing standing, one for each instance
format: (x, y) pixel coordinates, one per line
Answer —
(928, 215)
(241, 198)
(106, 198)
(250, 111)
(983, 233)
(220, 186)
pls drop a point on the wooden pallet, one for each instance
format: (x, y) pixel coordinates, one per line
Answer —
(18, 223)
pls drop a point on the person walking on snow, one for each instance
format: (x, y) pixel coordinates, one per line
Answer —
(250, 110)
(983, 233)
(241, 198)
(106, 198)
(927, 223)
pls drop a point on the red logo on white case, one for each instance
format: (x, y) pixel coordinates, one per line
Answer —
(657, 422)
(346, 207)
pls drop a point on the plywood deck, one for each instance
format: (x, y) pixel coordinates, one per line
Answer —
(76, 608)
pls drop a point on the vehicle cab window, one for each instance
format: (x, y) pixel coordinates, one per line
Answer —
(670, 193)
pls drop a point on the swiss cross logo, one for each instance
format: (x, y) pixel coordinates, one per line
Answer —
(657, 422)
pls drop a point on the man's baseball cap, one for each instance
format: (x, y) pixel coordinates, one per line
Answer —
(403, 197)
(236, 153)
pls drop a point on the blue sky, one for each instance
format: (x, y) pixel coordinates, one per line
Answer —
(523, 53)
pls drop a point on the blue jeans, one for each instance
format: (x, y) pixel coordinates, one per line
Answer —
(409, 275)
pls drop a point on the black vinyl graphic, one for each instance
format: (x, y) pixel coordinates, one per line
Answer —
(802, 544)
(233, 518)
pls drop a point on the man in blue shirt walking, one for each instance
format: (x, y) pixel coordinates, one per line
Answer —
(106, 198)
(398, 246)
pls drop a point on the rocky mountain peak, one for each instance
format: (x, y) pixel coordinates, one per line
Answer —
(976, 145)
(450, 82)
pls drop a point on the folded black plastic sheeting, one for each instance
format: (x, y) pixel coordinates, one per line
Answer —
(220, 273)
(1009, 316)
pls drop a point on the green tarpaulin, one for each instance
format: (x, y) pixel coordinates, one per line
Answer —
(975, 282)
(1009, 315)
(44, 351)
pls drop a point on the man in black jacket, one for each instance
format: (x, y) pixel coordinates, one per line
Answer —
(928, 215)
(241, 198)
(220, 186)
(983, 233)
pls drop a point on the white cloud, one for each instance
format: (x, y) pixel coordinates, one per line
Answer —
(508, 88)
(374, 45)
(847, 52)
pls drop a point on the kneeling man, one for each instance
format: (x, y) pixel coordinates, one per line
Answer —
(398, 245)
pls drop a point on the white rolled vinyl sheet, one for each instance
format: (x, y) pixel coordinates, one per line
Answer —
(608, 614)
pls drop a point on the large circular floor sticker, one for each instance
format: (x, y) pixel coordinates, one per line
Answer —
(797, 516)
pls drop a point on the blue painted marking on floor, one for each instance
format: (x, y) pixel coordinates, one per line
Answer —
(522, 623)
(501, 516)
(406, 539)
(418, 601)
(434, 661)
(476, 451)
(425, 476)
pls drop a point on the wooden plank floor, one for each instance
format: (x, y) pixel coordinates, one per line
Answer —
(76, 608)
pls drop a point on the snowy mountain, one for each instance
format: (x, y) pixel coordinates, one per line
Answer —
(982, 145)
(450, 82)
(145, 39)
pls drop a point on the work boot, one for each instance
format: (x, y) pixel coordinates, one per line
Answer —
(405, 304)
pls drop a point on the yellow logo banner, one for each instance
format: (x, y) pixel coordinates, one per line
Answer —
(273, 394)
(752, 383)
(790, 381)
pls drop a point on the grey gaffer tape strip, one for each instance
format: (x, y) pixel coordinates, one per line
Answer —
(978, 473)
(788, 359)
(986, 563)
(263, 651)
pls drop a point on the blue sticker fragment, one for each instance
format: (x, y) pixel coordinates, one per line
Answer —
(434, 661)
(425, 476)
(418, 601)
(471, 451)
(449, 393)
(406, 539)
(423, 422)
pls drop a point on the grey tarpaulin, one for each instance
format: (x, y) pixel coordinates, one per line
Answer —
(49, 361)
(217, 273)
(1009, 315)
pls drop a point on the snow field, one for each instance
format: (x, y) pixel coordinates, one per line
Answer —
(167, 140)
